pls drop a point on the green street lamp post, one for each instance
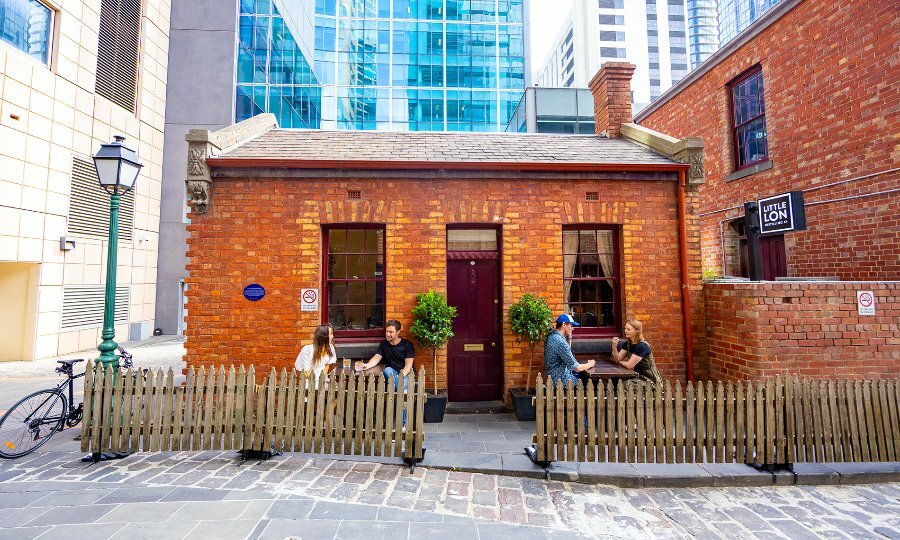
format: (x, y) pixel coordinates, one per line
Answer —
(117, 168)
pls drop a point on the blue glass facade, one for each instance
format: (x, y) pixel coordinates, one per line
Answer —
(273, 74)
(418, 65)
(736, 15)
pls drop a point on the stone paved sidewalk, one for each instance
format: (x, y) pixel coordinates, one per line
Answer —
(344, 490)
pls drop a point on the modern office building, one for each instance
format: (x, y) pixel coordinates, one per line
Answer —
(401, 65)
(73, 75)
(554, 110)
(736, 15)
(703, 33)
(652, 34)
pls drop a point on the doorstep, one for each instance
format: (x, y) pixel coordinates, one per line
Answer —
(476, 407)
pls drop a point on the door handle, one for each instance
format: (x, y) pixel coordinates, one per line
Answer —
(493, 344)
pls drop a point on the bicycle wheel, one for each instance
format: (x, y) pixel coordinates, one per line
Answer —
(31, 422)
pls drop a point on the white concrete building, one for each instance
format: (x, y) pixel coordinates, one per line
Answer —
(652, 34)
(73, 74)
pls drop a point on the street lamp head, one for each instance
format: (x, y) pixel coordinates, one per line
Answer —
(117, 166)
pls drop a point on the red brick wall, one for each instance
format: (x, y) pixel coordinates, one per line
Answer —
(831, 76)
(268, 231)
(812, 329)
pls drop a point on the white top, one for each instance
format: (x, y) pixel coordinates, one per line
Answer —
(305, 360)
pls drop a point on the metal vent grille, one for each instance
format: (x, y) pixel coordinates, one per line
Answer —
(83, 306)
(592, 196)
(354, 194)
(89, 205)
(118, 51)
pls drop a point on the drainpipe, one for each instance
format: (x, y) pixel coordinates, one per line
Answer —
(685, 288)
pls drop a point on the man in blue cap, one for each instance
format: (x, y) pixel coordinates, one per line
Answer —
(558, 358)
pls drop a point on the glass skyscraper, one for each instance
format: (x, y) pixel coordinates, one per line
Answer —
(273, 69)
(432, 65)
(702, 31)
(735, 15)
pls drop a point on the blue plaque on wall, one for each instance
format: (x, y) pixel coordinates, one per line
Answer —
(254, 292)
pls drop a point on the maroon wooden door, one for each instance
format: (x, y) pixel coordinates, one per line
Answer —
(473, 354)
(773, 255)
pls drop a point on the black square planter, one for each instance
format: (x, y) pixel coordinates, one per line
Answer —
(522, 403)
(435, 405)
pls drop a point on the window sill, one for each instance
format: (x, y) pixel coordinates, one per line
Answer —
(743, 173)
(357, 349)
(591, 345)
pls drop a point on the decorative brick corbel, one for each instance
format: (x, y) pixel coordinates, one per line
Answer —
(690, 150)
(199, 181)
(203, 144)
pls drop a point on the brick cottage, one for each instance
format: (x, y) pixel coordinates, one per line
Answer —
(600, 226)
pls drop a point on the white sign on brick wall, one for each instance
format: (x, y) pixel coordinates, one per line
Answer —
(309, 299)
(865, 302)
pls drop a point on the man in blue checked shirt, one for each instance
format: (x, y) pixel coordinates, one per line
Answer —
(558, 357)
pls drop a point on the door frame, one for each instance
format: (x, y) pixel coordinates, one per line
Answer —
(501, 301)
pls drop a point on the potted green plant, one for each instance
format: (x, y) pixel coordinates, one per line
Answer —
(531, 320)
(432, 327)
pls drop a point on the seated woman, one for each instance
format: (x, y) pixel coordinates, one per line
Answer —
(634, 353)
(313, 358)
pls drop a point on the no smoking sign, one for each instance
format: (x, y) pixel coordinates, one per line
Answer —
(309, 300)
(865, 302)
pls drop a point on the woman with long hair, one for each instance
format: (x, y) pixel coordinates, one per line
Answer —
(313, 358)
(635, 353)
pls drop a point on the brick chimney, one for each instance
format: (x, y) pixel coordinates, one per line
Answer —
(611, 88)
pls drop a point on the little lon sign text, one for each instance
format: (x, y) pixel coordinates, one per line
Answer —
(782, 213)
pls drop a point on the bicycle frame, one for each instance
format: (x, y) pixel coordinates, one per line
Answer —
(69, 408)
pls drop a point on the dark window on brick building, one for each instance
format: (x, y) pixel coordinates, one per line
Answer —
(354, 279)
(748, 119)
(591, 277)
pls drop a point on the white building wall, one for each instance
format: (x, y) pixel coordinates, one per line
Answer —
(51, 114)
(585, 24)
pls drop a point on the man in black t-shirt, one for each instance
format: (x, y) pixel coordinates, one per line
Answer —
(398, 354)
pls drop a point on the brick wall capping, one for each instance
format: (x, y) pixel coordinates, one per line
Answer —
(612, 70)
(788, 282)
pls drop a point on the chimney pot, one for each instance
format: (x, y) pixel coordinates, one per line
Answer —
(611, 88)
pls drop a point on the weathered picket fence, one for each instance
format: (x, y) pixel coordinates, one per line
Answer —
(223, 409)
(772, 422)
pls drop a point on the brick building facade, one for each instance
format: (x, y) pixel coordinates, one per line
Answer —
(830, 77)
(492, 215)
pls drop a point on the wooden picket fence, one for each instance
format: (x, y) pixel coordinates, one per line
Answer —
(771, 422)
(226, 410)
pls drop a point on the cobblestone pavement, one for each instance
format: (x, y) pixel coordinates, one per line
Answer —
(51, 494)
(317, 497)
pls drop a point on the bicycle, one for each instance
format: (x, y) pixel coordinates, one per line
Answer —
(31, 422)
